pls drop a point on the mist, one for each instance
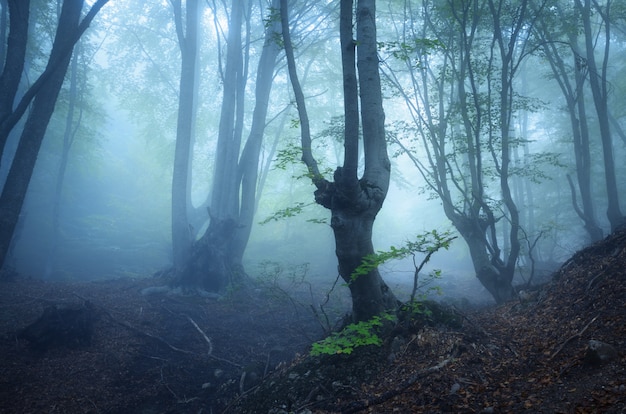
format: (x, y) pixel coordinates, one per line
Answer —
(115, 204)
(279, 205)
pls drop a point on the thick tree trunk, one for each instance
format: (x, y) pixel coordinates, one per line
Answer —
(352, 226)
(492, 273)
(209, 266)
(216, 259)
(353, 203)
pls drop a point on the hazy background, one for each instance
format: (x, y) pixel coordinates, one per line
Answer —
(115, 201)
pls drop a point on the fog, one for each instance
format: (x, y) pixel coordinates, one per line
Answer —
(115, 209)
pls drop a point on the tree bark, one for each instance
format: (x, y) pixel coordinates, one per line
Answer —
(15, 59)
(8, 119)
(188, 41)
(354, 203)
(598, 83)
(216, 259)
(16, 185)
(248, 175)
(68, 139)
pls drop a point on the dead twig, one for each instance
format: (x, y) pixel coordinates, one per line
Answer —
(593, 281)
(571, 338)
(206, 338)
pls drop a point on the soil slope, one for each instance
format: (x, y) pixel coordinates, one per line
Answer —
(526, 356)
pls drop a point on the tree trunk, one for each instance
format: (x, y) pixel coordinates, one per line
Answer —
(598, 84)
(224, 197)
(16, 185)
(216, 259)
(492, 273)
(571, 83)
(248, 175)
(209, 266)
(14, 62)
(352, 223)
(68, 140)
(188, 42)
(4, 25)
(354, 203)
(11, 112)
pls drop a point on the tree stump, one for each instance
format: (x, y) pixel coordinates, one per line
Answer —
(61, 325)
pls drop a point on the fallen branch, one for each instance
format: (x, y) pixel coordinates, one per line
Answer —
(571, 338)
(163, 341)
(138, 331)
(206, 338)
(210, 351)
(149, 335)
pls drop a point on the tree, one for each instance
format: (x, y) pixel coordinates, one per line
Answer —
(462, 104)
(216, 258)
(599, 89)
(353, 201)
(571, 81)
(187, 33)
(69, 133)
(43, 93)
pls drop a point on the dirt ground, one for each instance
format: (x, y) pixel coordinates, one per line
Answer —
(156, 353)
(248, 353)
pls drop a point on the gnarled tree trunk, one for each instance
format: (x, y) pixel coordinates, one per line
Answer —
(354, 202)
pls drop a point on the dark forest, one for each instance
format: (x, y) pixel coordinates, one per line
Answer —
(282, 206)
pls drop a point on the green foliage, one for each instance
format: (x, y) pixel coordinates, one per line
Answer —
(427, 243)
(420, 312)
(405, 51)
(293, 211)
(294, 123)
(287, 156)
(417, 308)
(286, 212)
(352, 336)
(273, 19)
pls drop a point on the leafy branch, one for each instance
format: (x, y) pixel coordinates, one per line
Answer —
(287, 212)
(427, 243)
(352, 336)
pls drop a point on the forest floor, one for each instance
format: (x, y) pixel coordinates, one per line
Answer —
(248, 353)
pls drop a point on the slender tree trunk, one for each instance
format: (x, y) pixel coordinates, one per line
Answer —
(13, 64)
(249, 163)
(188, 42)
(11, 114)
(598, 84)
(571, 83)
(224, 197)
(16, 185)
(582, 154)
(68, 139)
(4, 25)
